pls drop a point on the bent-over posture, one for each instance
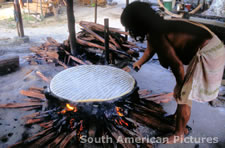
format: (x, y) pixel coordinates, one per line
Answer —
(179, 42)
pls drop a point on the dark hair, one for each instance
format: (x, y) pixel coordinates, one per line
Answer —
(139, 18)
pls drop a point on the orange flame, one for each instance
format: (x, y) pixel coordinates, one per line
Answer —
(63, 111)
(71, 108)
(118, 111)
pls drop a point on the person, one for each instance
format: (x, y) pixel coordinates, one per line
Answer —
(179, 42)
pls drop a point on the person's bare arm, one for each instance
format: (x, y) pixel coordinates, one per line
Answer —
(148, 54)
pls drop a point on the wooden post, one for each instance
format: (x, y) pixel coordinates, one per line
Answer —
(96, 5)
(126, 37)
(71, 27)
(106, 34)
(18, 19)
(42, 16)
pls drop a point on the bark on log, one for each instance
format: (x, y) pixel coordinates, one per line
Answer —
(152, 122)
(9, 64)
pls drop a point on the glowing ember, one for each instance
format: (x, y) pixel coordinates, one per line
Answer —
(81, 125)
(71, 108)
(118, 111)
(122, 121)
(63, 111)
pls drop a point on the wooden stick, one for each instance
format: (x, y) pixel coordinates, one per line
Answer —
(117, 134)
(28, 140)
(114, 42)
(42, 76)
(98, 37)
(38, 89)
(67, 139)
(32, 94)
(33, 121)
(90, 44)
(152, 122)
(20, 105)
(75, 58)
(57, 140)
(99, 27)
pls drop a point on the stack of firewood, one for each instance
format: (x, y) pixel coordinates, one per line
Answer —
(90, 46)
(62, 128)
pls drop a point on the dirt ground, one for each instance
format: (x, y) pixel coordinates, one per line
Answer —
(206, 121)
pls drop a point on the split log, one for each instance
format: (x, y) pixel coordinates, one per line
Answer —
(36, 89)
(52, 41)
(90, 44)
(119, 137)
(153, 106)
(162, 98)
(135, 135)
(114, 42)
(33, 121)
(62, 64)
(32, 94)
(9, 64)
(32, 115)
(31, 108)
(46, 124)
(29, 140)
(20, 105)
(75, 58)
(57, 140)
(152, 122)
(98, 37)
(144, 92)
(99, 27)
(67, 139)
(42, 76)
(42, 141)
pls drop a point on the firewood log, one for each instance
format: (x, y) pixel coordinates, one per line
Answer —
(99, 27)
(98, 37)
(57, 140)
(42, 76)
(20, 105)
(32, 94)
(67, 139)
(117, 134)
(151, 121)
(31, 139)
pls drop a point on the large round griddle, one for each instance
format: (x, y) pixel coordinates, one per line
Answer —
(92, 83)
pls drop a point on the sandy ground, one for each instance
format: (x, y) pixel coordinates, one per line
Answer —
(206, 121)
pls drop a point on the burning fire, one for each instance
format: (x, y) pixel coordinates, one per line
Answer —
(69, 108)
(118, 109)
(120, 121)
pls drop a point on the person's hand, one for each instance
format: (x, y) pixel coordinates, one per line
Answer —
(136, 66)
(177, 91)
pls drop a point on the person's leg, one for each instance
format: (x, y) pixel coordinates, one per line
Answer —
(183, 113)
